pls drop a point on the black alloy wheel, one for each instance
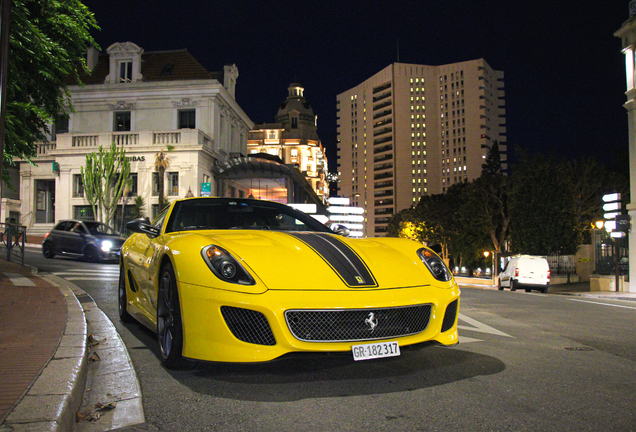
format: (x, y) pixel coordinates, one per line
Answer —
(124, 316)
(90, 254)
(47, 250)
(169, 326)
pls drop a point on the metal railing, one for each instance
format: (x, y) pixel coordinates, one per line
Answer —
(562, 265)
(13, 238)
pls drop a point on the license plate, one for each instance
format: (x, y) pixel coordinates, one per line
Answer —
(375, 350)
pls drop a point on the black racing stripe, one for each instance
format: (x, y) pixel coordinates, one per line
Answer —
(345, 262)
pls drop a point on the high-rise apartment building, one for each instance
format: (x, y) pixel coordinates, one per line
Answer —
(413, 130)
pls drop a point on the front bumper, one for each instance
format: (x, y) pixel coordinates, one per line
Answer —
(208, 337)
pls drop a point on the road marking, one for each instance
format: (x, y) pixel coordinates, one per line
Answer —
(479, 326)
(18, 280)
(466, 339)
(604, 304)
(90, 279)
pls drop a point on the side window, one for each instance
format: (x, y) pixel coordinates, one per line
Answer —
(158, 222)
(63, 226)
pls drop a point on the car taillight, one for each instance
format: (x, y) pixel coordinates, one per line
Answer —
(517, 272)
(46, 235)
(548, 274)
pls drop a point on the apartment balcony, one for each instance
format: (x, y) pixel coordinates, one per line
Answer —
(383, 149)
(73, 142)
(380, 97)
(381, 105)
(384, 113)
(383, 158)
(384, 193)
(384, 175)
(382, 131)
(383, 166)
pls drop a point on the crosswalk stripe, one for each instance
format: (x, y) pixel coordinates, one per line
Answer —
(18, 280)
(91, 279)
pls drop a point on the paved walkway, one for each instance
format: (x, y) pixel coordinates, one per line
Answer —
(32, 321)
(54, 340)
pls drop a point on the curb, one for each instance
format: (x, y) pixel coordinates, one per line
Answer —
(61, 390)
(597, 296)
(53, 399)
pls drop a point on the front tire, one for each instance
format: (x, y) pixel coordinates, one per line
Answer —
(48, 250)
(90, 254)
(169, 325)
(124, 316)
(499, 285)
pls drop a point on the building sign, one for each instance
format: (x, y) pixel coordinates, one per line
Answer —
(206, 189)
(136, 158)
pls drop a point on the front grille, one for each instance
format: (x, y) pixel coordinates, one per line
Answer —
(357, 324)
(248, 325)
(449, 316)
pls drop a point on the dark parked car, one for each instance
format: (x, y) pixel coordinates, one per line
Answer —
(94, 241)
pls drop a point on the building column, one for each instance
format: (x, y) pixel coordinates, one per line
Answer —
(630, 106)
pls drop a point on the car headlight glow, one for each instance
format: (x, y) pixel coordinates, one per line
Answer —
(435, 264)
(107, 245)
(225, 266)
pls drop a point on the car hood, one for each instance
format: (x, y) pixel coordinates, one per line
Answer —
(320, 261)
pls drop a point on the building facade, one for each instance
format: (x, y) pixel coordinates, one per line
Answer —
(413, 130)
(145, 102)
(294, 139)
(627, 34)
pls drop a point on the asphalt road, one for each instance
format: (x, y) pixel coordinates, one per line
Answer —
(526, 361)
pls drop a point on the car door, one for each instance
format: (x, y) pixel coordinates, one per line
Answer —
(504, 277)
(76, 238)
(59, 236)
(143, 256)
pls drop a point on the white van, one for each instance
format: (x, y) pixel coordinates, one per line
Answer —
(526, 271)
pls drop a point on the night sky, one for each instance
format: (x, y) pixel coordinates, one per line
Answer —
(564, 70)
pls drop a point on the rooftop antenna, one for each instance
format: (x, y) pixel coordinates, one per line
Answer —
(398, 50)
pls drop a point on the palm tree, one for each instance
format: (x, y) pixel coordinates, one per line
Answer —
(162, 162)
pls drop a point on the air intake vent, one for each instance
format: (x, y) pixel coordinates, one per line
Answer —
(450, 316)
(248, 325)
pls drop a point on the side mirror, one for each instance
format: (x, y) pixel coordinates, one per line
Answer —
(143, 225)
(340, 229)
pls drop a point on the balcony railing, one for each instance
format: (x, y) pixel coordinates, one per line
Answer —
(184, 137)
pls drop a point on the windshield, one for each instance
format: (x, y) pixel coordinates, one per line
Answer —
(229, 213)
(98, 228)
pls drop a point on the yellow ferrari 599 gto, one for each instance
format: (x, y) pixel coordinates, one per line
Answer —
(243, 280)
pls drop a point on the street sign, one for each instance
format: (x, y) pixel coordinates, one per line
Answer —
(206, 189)
(611, 206)
(612, 197)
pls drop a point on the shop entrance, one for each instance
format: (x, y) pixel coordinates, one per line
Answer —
(44, 201)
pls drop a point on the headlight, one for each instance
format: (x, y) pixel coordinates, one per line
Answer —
(107, 245)
(225, 267)
(435, 264)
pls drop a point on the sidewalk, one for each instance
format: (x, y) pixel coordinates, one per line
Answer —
(54, 340)
(42, 346)
(580, 289)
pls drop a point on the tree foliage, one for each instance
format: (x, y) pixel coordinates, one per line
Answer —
(105, 178)
(542, 208)
(162, 162)
(48, 40)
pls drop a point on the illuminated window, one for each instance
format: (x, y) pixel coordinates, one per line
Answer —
(125, 71)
